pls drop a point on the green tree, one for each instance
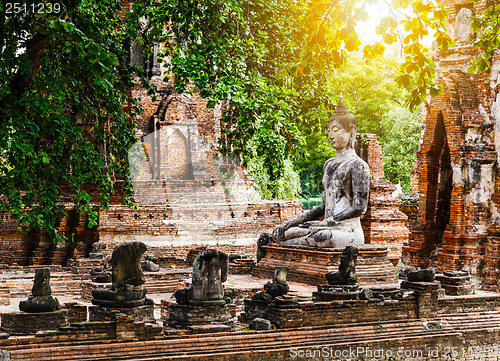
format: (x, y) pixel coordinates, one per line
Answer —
(487, 28)
(64, 81)
(402, 129)
(272, 61)
(309, 160)
(371, 93)
(369, 89)
(66, 110)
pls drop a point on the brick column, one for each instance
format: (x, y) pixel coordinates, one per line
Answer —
(427, 297)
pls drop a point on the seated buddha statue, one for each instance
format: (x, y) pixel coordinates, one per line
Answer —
(335, 223)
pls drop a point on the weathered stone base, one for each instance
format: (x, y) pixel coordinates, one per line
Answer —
(254, 309)
(183, 316)
(452, 290)
(314, 314)
(332, 293)
(456, 286)
(23, 323)
(142, 313)
(107, 297)
(309, 265)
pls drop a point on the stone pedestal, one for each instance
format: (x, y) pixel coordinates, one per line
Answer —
(142, 313)
(255, 309)
(455, 283)
(184, 316)
(106, 297)
(328, 293)
(309, 265)
(23, 323)
(131, 324)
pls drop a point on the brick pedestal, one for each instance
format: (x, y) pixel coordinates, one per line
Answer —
(142, 313)
(309, 265)
(183, 316)
(4, 296)
(23, 323)
(288, 312)
(427, 297)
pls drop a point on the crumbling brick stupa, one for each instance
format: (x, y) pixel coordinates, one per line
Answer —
(458, 223)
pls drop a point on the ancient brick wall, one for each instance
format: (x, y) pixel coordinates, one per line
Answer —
(458, 160)
(183, 198)
(342, 312)
(383, 222)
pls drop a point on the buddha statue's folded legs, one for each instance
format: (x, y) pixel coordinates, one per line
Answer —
(340, 235)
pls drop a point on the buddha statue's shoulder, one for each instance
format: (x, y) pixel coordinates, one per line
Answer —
(328, 163)
(359, 163)
(359, 168)
(352, 162)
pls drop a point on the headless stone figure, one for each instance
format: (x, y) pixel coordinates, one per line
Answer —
(41, 299)
(346, 275)
(210, 269)
(346, 184)
(126, 265)
(127, 279)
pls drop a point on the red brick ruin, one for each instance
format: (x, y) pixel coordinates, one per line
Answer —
(457, 223)
(184, 206)
(456, 226)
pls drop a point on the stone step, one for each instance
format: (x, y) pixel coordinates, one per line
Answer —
(166, 286)
(231, 344)
(474, 321)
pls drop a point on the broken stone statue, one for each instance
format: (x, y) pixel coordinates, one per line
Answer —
(258, 305)
(278, 287)
(346, 275)
(346, 184)
(342, 285)
(127, 279)
(422, 275)
(94, 251)
(210, 269)
(149, 264)
(41, 299)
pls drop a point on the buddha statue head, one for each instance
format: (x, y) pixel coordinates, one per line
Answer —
(342, 127)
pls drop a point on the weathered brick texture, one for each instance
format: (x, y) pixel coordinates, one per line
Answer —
(458, 160)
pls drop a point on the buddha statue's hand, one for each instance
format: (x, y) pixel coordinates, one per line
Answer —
(309, 223)
(279, 232)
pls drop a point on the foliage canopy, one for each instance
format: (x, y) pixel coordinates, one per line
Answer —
(66, 110)
(374, 98)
